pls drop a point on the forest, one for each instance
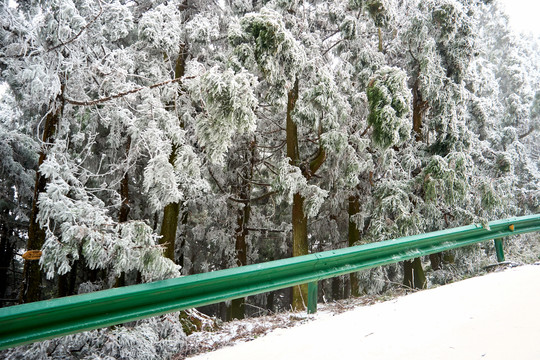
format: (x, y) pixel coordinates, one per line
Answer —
(150, 139)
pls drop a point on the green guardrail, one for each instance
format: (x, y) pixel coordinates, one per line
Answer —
(27, 323)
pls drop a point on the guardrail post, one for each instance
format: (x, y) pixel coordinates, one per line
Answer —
(499, 250)
(313, 293)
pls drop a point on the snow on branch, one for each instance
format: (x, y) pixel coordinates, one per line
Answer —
(81, 31)
(124, 93)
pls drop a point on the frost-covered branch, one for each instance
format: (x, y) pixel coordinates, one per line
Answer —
(124, 93)
(83, 29)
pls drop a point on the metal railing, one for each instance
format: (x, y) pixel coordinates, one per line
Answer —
(27, 323)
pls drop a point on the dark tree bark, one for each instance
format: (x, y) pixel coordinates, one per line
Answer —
(299, 218)
(31, 285)
(238, 305)
(300, 247)
(68, 282)
(7, 251)
(171, 212)
(419, 107)
(124, 208)
(354, 237)
(242, 221)
(414, 276)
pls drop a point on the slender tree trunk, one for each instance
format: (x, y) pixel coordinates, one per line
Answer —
(270, 301)
(379, 31)
(171, 212)
(242, 220)
(124, 190)
(31, 286)
(414, 277)
(169, 227)
(299, 220)
(68, 282)
(63, 285)
(300, 247)
(183, 221)
(124, 207)
(7, 252)
(291, 128)
(413, 273)
(419, 107)
(338, 288)
(436, 261)
(354, 237)
(238, 305)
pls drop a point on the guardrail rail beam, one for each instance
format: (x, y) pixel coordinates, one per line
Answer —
(27, 323)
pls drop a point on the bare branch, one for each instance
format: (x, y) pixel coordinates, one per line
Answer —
(267, 230)
(331, 47)
(216, 181)
(365, 131)
(252, 200)
(529, 132)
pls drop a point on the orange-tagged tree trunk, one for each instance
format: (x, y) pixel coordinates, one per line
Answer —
(32, 274)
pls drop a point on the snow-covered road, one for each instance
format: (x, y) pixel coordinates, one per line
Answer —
(496, 316)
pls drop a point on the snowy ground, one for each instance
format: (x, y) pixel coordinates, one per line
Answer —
(496, 316)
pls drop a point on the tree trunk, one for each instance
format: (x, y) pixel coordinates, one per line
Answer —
(300, 247)
(124, 190)
(124, 208)
(171, 212)
(354, 237)
(7, 251)
(270, 301)
(299, 220)
(414, 277)
(242, 220)
(379, 32)
(419, 106)
(168, 228)
(436, 261)
(68, 282)
(183, 221)
(31, 285)
(238, 305)
(291, 128)
(337, 289)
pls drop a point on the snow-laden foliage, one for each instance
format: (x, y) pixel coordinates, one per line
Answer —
(161, 27)
(322, 107)
(77, 225)
(446, 177)
(18, 151)
(203, 121)
(203, 28)
(156, 338)
(389, 103)
(290, 181)
(228, 101)
(261, 41)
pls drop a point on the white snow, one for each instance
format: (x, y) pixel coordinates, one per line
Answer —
(489, 317)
